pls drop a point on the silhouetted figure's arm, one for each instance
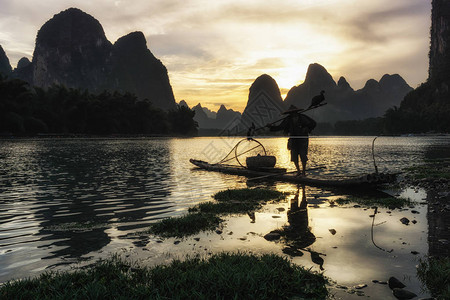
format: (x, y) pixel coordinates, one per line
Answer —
(282, 126)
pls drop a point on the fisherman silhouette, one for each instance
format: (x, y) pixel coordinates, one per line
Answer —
(298, 126)
(316, 100)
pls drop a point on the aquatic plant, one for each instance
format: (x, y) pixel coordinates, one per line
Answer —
(258, 194)
(221, 276)
(77, 226)
(391, 202)
(189, 224)
(205, 216)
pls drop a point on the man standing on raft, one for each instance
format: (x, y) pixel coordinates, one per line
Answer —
(298, 126)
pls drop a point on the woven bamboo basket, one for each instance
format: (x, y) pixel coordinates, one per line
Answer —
(261, 161)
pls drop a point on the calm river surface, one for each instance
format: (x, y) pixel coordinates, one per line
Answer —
(71, 201)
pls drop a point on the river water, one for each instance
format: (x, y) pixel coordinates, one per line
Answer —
(71, 201)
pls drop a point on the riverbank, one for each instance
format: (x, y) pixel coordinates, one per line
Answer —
(221, 276)
(434, 177)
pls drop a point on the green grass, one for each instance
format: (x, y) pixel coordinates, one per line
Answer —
(222, 276)
(435, 274)
(186, 225)
(391, 202)
(206, 216)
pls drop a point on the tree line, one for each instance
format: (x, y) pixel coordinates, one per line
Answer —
(26, 110)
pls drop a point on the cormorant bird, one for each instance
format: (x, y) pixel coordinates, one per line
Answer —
(316, 100)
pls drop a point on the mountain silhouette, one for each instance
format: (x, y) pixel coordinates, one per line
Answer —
(264, 103)
(223, 117)
(72, 50)
(439, 64)
(344, 103)
(426, 109)
(5, 67)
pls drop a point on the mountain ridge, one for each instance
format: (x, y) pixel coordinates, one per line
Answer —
(345, 103)
(72, 50)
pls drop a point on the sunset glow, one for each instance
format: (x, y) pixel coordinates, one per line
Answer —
(214, 50)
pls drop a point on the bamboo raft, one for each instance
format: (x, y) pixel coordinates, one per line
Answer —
(367, 180)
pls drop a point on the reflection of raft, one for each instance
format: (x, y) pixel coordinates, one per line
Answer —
(281, 175)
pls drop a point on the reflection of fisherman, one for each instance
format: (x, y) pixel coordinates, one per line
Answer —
(297, 235)
(299, 230)
(298, 213)
(298, 126)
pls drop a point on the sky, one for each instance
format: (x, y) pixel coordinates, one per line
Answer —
(214, 49)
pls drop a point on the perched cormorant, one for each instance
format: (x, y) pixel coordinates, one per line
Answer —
(316, 100)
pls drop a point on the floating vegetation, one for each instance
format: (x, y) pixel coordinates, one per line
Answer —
(231, 207)
(186, 225)
(390, 202)
(77, 226)
(435, 274)
(206, 216)
(258, 194)
(222, 276)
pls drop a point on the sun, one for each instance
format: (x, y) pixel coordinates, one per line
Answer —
(289, 77)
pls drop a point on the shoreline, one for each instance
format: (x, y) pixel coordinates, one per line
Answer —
(144, 136)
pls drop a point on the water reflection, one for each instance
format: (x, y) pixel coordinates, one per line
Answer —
(64, 200)
(60, 197)
(296, 235)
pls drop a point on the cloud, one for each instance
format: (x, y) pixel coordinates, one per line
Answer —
(387, 22)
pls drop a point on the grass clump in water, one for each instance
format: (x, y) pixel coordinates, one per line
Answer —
(77, 226)
(222, 276)
(222, 208)
(390, 202)
(248, 195)
(206, 216)
(435, 274)
(189, 224)
(237, 201)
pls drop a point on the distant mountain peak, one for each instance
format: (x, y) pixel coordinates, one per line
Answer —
(23, 63)
(5, 67)
(371, 84)
(222, 108)
(183, 103)
(264, 102)
(317, 73)
(343, 84)
(134, 41)
(267, 84)
(72, 50)
(317, 79)
(71, 27)
(393, 80)
(343, 102)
